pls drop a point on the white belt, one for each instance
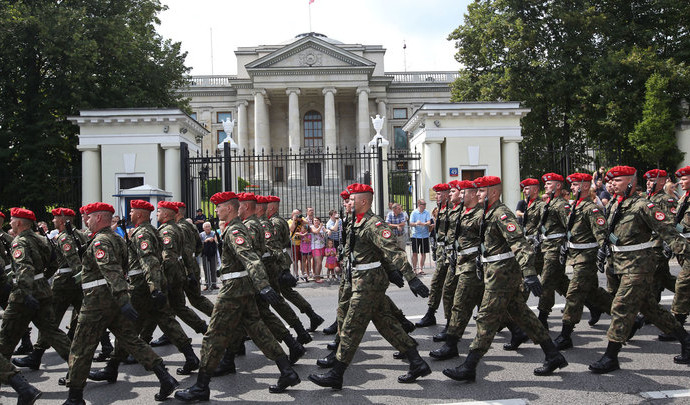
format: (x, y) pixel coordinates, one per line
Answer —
(685, 235)
(265, 255)
(92, 284)
(554, 236)
(64, 270)
(450, 247)
(440, 244)
(284, 250)
(134, 272)
(367, 266)
(498, 258)
(469, 251)
(8, 267)
(179, 258)
(36, 277)
(578, 246)
(632, 248)
(237, 274)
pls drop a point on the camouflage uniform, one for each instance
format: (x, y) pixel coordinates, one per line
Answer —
(235, 310)
(451, 280)
(681, 300)
(5, 267)
(373, 243)
(282, 233)
(439, 277)
(503, 279)
(105, 292)
(31, 256)
(662, 276)
(553, 276)
(7, 370)
(635, 266)
(531, 222)
(192, 248)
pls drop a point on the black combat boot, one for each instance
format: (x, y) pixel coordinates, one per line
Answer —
(296, 349)
(553, 360)
(197, 392)
(467, 371)
(32, 361)
(241, 350)
(168, 383)
(429, 319)
(302, 335)
(226, 365)
(314, 320)
(639, 323)
(202, 330)
(407, 326)
(399, 355)
(334, 344)
(441, 336)
(129, 360)
(448, 350)
(27, 394)
(544, 319)
(594, 314)
(63, 380)
(107, 373)
(517, 337)
(564, 340)
(609, 361)
(288, 376)
(328, 361)
(664, 337)
(682, 335)
(161, 341)
(75, 397)
(191, 361)
(26, 346)
(331, 330)
(333, 378)
(418, 367)
(106, 348)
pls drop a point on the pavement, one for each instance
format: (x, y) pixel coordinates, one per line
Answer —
(647, 375)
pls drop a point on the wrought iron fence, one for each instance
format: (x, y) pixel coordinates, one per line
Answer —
(403, 169)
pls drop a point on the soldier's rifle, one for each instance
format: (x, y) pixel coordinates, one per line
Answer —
(537, 239)
(650, 193)
(524, 216)
(482, 234)
(453, 259)
(122, 224)
(77, 242)
(563, 253)
(51, 243)
(8, 252)
(681, 213)
(605, 250)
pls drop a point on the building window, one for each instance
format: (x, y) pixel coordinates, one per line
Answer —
(349, 172)
(278, 174)
(472, 174)
(313, 130)
(399, 113)
(400, 138)
(129, 182)
(222, 116)
(313, 174)
(193, 116)
(221, 136)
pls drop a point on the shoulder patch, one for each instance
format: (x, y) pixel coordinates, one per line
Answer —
(673, 210)
(235, 232)
(510, 227)
(239, 240)
(166, 240)
(386, 234)
(17, 254)
(97, 243)
(267, 235)
(504, 216)
(140, 236)
(567, 206)
(100, 253)
(650, 205)
(601, 221)
(64, 238)
(66, 247)
(595, 210)
(660, 216)
(144, 245)
(379, 223)
(165, 232)
(15, 245)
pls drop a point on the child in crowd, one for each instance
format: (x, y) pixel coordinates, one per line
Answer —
(305, 250)
(331, 260)
(318, 242)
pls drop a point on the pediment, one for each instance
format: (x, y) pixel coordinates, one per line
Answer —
(310, 52)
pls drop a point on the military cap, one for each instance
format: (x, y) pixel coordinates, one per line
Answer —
(2, 215)
(261, 199)
(441, 187)
(465, 184)
(683, 171)
(247, 196)
(487, 181)
(360, 188)
(169, 205)
(529, 182)
(22, 213)
(56, 212)
(219, 198)
(97, 207)
(82, 209)
(552, 177)
(654, 173)
(619, 171)
(454, 184)
(142, 205)
(579, 177)
(180, 204)
(345, 195)
(273, 199)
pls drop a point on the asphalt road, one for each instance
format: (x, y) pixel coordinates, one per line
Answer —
(503, 377)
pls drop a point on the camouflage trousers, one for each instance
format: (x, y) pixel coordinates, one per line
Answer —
(231, 317)
(16, 319)
(500, 306)
(282, 308)
(344, 296)
(62, 299)
(150, 314)
(90, 327)
(367, 306)
(612, 280)
(635, 294)
(295, 298)
(449, 285)
(663, 279)
(468, 294)
(437, 281)
(681, 301)
(194, 295)
(584, 287)
(553, 280)
(7, 370)
(274, 324)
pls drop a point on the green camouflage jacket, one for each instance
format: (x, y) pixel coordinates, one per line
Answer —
(192, 246)
(31, 256)
(469, 239)
(68, 258)
(281, 231)
(105, 259)
(533, 216)
(257, 234)
(441, 227)
(172, 239)
(272, 243)
(453, 217)
(240, 255)
(555, 224)
(589, 227)
(145, 254)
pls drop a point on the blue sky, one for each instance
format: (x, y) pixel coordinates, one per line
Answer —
(422, 25)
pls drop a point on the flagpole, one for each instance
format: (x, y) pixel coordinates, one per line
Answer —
(310, 16)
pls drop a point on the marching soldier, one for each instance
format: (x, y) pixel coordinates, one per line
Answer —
(5, 265)
(235, 310)
(107, 305)
(504, 252)
(436, 291)
(27, 394)
(631, 222)
(532, 218)
(586, 232)
(681, 300)
(377, 260)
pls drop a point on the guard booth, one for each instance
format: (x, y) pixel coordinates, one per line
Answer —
(145, 192)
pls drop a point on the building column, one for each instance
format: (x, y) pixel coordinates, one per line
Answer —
(363, 119)
(90, 174)
(433, 167)
(381, 104)
(261, 129)
(242, 128)
(172, 180)
(330, 139)
(510, 171)
(293, 119)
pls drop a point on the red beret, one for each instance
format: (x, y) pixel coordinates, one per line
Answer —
(169, 205)
(654, 173)
(487, 181)
(578, 177)
(247, 196)
(56, 212)
(552, 177)
(22, 213)
(82, 210)
(2, 215)
(465, 184)
(683, 171)
(97, 207)
(345, 195)
(261, 199)
(142, 205)
(180, 204)
(529, 182)
(360, 188)
(219, 198)
(68, 212)
(273, 199)
(441, 187)
(619, 171)
(454, 184)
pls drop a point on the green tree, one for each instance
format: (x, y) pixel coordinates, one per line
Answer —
(59, 57)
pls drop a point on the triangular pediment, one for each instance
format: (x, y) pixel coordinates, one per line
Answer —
(310, 52)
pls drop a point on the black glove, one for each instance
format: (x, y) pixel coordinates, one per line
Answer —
(562, 254)
(602, 254)
(452, 260)
(480, 267)
(396, 278)
(31, 302)
(418, 288)
(532, 283)
(129, 312)
(668, 253)
(269, 295)
(287, 279)
(193, 282)
(159, 298)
